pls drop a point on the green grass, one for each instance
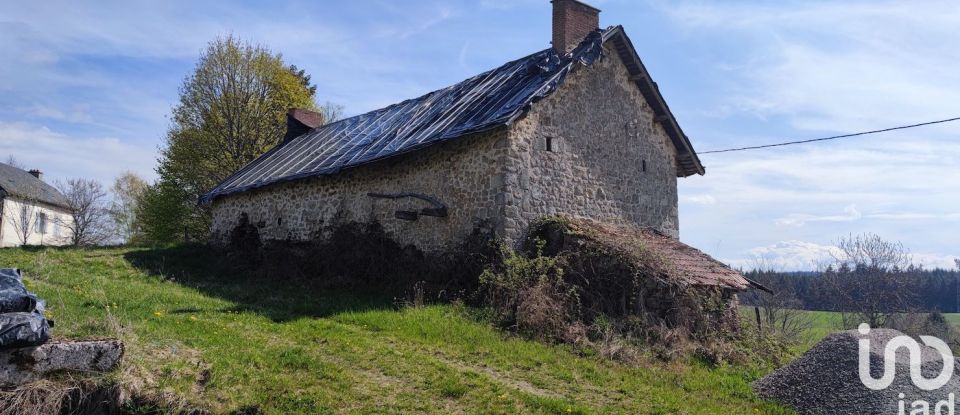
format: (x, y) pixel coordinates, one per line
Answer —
(226, 342)
(823, 323)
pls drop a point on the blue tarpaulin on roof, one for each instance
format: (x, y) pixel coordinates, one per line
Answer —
(483, 102)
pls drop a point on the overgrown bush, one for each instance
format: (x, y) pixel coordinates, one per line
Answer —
(926, 324)
(560, 286)
(530, 294)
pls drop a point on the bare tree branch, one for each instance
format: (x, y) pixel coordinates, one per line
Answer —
(873, 282)
(87, 201)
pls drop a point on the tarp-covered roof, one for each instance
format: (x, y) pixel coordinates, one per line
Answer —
(25, 186)
(489, 100)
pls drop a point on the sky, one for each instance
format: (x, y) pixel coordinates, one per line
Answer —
(86, 90)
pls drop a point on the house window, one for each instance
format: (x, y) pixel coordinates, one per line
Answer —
(40, 226)
(56, 229)
(550, 144)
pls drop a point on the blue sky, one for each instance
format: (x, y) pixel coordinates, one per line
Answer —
(86, 88)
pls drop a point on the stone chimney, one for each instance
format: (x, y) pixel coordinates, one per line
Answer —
(300, 121)
(36, 173)
(572, 21)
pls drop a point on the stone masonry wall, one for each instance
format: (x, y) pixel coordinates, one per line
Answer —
(466, 174)
(601, 133)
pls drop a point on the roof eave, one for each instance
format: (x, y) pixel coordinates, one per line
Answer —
(688, 163)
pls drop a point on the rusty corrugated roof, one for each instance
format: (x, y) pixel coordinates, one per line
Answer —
(646, 247)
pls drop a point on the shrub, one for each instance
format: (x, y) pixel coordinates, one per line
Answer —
(530, 294)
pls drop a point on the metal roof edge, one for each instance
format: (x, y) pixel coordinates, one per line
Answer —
(208, 198)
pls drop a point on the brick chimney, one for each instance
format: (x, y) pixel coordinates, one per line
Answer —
(300, 121)
(572, 21)
(36, 173)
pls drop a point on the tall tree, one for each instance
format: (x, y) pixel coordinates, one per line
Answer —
(128, 190)
(88, 205)
(231, 110)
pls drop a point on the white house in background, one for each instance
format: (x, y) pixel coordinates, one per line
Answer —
(32, 212)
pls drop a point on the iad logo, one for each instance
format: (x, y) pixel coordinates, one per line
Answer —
(890, 361)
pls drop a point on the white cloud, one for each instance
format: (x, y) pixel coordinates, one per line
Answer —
(835, 65)
(930, 261)
(850, 213)
(798, 70)
(80, 114)
(701, 199)
(61, 156)
(788, 256)
(807, 256)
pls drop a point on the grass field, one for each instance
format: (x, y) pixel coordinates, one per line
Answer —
(821, 323)
(227, 343)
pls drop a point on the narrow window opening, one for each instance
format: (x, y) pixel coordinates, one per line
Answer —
(550, 144)
(279, 221)
(643, 166)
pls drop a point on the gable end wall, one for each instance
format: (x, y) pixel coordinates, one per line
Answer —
(601, 131)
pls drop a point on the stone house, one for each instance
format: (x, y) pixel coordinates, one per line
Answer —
(578, 129)
(32, 212)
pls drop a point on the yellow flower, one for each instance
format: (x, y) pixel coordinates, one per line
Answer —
(194, 318)
(157, 313)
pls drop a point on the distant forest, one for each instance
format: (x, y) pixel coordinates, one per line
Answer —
(929, 290)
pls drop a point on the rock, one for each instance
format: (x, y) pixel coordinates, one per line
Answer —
(27, 364)
(826, 380)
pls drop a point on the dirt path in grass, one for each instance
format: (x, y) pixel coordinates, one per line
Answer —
(497, 377)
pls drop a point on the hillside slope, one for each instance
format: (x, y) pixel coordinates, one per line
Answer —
(229, 343)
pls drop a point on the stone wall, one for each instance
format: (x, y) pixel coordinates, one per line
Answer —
(602, 135)
(466, 174)
(608, 160)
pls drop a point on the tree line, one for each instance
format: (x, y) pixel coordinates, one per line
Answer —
(935, 289)
(870, 280)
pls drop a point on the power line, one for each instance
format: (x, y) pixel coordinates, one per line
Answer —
(902, 127)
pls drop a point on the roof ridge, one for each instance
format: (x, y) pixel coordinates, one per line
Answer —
(490, 99)
(488, 71)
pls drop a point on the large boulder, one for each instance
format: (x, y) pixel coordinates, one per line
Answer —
(826, 380)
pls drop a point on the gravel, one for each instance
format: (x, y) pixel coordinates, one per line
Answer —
(825, 379)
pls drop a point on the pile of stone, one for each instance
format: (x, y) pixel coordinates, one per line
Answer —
(26, 352)
(826, 379)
